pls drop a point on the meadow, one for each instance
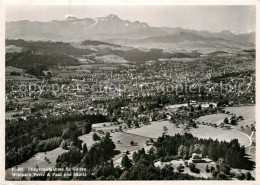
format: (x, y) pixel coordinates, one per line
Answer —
(213, 118)
(204, 131)
(156, 129)
(248, 113)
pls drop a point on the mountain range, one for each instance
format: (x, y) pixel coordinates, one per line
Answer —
(115, 30)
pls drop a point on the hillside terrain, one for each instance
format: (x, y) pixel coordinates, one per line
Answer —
(124, 32)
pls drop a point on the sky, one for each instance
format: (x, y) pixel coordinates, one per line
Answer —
(236, 18)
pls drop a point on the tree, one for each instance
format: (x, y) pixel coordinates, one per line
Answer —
(180, 168)
(132, 143)
(120, 128)
(95, 137)
(225, 168)
(233, 122)
(152, 151)
(226, 120)
(192, 166)
(248, 176)
(135, 157)
(212, 169)
(253, 128)
(141, 109)
(165, 129)
(241, 176)
(221, 176)
(129, 122)
(207, 169)
(214, 173)
(126, 162)
(125, 175)
(180, 150)
(85, 149)
(86, 128)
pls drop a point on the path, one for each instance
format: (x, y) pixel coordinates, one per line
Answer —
(249, 137)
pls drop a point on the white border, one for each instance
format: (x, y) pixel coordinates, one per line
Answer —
(131, 2)
(114, 3)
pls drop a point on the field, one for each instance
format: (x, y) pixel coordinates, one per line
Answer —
(213, 118)
(122, 141)
(24, 76)
(124, 144)
(221, 134)
(107, 127)
(9, 69)
(156, 129)
(87, 138)
(9, 115)
(248, 113)
(111, 59)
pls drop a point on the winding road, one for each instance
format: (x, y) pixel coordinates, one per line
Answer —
(249, 137)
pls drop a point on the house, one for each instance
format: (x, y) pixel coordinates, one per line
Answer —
(197, 158)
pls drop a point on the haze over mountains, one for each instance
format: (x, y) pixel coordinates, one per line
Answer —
(115, 30)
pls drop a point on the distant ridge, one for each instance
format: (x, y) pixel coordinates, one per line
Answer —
(124, 32)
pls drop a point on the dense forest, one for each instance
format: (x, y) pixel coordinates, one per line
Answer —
(184, 145)
(97, 43)
(24, 138)
(58, 48)
(34, 64)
